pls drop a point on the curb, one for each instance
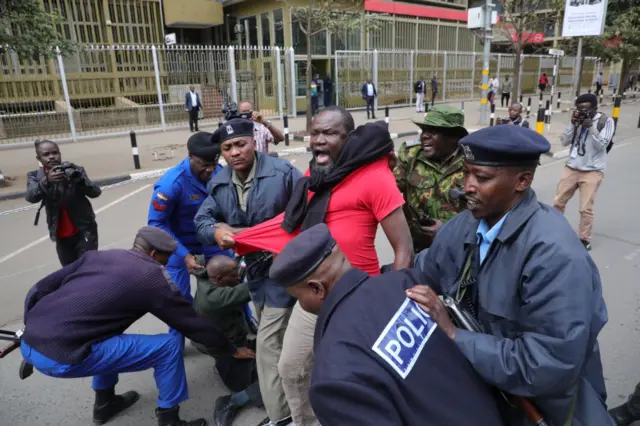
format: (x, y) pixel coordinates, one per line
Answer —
(101, 182)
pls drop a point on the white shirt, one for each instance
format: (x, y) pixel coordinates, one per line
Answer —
(194, 100)
(369, 89)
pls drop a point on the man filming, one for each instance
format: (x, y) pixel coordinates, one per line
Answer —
(589, 136)
(515, 117)
(264, 132)
(62, 189)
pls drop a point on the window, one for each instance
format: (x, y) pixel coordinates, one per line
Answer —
(278, 22)
(268, 79)
(266, 29)
(301, 78)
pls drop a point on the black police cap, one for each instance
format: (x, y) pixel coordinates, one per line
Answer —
(203, 145)
(235, 128)
(158, 239)
(504, 146)
(302, 255)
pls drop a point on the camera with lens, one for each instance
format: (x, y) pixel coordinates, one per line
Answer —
(583, 114)
(70, 171)
(426, 220)
(230, 111)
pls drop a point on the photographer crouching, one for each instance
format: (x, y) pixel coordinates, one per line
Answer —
(62, 188)
(590, 137)
(264, 132)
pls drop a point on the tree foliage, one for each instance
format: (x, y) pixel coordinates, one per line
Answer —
(334, 16)
(30, 31)
(523, 19)
(621, 39)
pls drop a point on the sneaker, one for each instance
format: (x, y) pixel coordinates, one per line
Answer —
(284, 422)
(586, 244)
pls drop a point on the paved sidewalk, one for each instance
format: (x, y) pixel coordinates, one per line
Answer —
(105, 158)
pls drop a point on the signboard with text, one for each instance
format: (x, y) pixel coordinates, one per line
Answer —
(584, 18)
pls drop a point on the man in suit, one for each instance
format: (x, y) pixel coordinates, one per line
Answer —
(193, 105)
(369, 94)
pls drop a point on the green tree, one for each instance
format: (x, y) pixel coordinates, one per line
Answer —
(29, 30)
(335, 17)
(524, 18)
(621, 39)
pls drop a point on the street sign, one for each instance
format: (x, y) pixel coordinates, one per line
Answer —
(475, 17)
(556, 52)
(170, 39)
(584, 18)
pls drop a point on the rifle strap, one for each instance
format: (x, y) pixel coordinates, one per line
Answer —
(467, 280)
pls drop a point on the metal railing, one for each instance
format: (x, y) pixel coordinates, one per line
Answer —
(111, 90)
(459, 74)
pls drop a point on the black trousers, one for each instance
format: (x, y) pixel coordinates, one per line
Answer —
(370, 106)
(72, 248)
(314, 104)
(193, 119)
(506, 96)
(433, 97)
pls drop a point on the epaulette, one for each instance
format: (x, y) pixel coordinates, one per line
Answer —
(412, 143)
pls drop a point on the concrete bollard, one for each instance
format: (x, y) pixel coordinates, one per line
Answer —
(285, 120)
(540, 101)
(134, 150)
(616, 111)
(529, 108)
(386, 114)
(462, 107)
(547, 113)
(558, 105)
(540, 121)
(493, 115)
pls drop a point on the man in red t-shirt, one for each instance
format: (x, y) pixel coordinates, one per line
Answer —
(364, 199)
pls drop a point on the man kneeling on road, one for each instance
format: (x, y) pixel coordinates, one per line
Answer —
(221, 297)
(75, 319)
(379, 360)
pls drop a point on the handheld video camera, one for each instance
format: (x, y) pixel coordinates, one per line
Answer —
(583, 114)
(71, 171)
(230, 111)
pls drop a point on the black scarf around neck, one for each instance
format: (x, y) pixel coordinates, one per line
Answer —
(365, 145)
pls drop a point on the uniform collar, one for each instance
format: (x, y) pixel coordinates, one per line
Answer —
(485, 234)
(516, 218)
(345, 285)
(186, 165)
(454, 161)
(264, 167)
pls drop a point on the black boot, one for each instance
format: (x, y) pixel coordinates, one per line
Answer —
(171, 417)
(628, 412)
(225, 411)
(108, 404)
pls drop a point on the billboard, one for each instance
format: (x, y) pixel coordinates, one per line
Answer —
(584, 18)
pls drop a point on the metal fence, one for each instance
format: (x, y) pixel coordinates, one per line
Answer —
(111, 90)
(459, 74)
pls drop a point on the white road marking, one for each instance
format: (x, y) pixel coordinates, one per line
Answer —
(46, 237)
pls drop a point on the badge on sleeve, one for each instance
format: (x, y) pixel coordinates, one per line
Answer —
(160, 202)
(404, 337)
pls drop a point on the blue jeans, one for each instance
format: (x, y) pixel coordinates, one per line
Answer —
(126, 353)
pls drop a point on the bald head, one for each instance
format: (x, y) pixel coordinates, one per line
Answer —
(223, 271)
(245, 106)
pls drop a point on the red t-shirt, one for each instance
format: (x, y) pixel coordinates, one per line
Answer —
(66, 228)
(356, 207)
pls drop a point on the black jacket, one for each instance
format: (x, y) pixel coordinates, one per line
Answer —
(73, 195)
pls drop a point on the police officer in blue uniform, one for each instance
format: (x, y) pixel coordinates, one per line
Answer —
(379, 359)
(177, 196)
(518, 267)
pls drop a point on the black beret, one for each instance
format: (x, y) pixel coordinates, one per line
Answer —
(203, 145)
(302, 255)
(235, 128)
(159, 239)
(504, 146)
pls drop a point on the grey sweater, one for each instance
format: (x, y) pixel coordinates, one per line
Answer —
(588, 152)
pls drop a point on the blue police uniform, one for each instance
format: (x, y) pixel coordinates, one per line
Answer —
(177, 197)
(534, 289)
(379, 359)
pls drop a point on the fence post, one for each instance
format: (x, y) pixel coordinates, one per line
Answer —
(540, 121)
(280, 86)
(337, 85)
(134, 150)
(411, 79)
(67, 99)
(473, 75)
(375, 81)
(444, 79)
(156, 70)
(498, 66)
(285, 119)
(294, 83)
(232, 74)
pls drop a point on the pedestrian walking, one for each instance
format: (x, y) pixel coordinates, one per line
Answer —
(507, 87)
(369, 94)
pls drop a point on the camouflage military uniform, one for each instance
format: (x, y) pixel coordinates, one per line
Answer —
(424, 183)
(425, 186)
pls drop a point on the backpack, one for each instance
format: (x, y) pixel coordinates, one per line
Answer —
(602, 121)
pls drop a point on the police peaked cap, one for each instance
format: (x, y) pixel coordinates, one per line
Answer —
(499, 146)
(203, 145)
(235, 128)
(158, 239)
(302, 256)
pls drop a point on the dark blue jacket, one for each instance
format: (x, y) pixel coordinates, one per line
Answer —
(380, 360)
(177, 196)
(268, 197)
(188, 102)
(539, 299)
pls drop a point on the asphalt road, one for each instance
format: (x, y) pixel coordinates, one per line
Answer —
(27, 255)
